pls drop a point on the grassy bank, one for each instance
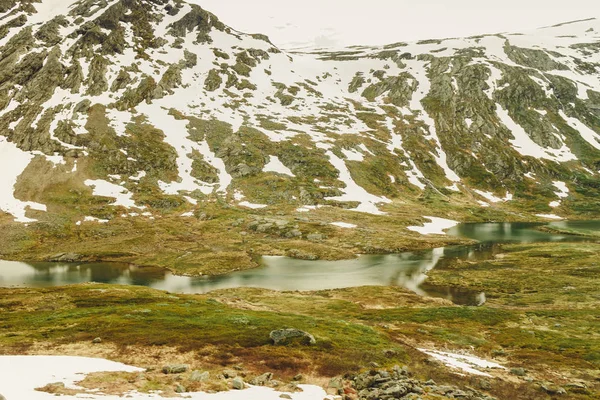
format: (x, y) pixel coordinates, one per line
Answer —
(541, 315)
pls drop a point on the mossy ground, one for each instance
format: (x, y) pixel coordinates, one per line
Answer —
(541, 315)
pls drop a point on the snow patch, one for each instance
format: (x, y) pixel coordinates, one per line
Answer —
(22, 374)
(94, 219)
(437, 226)
(252, 205)
(586, 132)
(122, 196)
(13, 162)
(466, 363)
(492, 198)
(343, 225)
(526, 146)
(353, 155)
(563, 190)
(548, 216)
(274, 165)
(354, 192)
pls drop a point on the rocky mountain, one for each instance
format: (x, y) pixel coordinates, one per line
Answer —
(118, 113)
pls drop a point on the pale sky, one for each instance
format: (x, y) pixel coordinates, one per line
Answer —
(317, 23)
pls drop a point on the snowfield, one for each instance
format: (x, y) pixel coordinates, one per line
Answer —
(324, 94)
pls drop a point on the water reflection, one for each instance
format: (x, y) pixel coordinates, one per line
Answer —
(277, 273)
(407, 270)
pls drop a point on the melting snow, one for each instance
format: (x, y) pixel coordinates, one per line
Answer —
(467, 363)
(354, 192)
(343, 225)
(526, 146)
(94, 219)
(307, 208)
(353, 155)
(13, 162)
(21, 375)
(252, 205)
(548, 216)
(563, 190)
(123, 197)
(274, 165)
(437, 226)
(419, 70)
(586, 132)
(493, 199)
(563, 193)
(176, 134)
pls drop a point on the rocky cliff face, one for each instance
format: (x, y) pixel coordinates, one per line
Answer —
(147, 108)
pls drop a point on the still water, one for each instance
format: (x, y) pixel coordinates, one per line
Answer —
(407, 270)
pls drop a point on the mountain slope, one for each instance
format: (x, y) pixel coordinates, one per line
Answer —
(119, 113)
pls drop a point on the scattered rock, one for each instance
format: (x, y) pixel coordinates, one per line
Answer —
(301, 255)
(238, 383)
(262, 380)
(199, 376)
(484, 384)
(553, 389)
(175, 369)
(314, 237)
(574, 385)
(336, 383)
(66, 257)
(518, 371)
(228, 373)
(95, 341)
(284, 336)
(296, 378)
(281, 396)
(390, 353)
(396, 384)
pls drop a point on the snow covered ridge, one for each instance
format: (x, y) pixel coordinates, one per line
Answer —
(361, 127)
(21, 375)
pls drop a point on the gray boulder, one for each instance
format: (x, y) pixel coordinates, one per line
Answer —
(262, 380)
(238, 383)
(175, 369)
(285, 336)
(199, 376)
(180, 389)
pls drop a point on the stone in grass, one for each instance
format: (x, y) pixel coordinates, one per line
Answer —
(237, 383)
(97, 340)
(285, 336)
(262, 380)
(518, 371)
(199, 376)
(175, 369)
(553, 389)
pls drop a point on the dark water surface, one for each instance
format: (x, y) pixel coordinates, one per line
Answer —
(407, 270)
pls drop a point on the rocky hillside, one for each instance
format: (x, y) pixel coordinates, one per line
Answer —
(122, 112)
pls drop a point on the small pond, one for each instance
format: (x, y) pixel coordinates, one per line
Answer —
(407, 270)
